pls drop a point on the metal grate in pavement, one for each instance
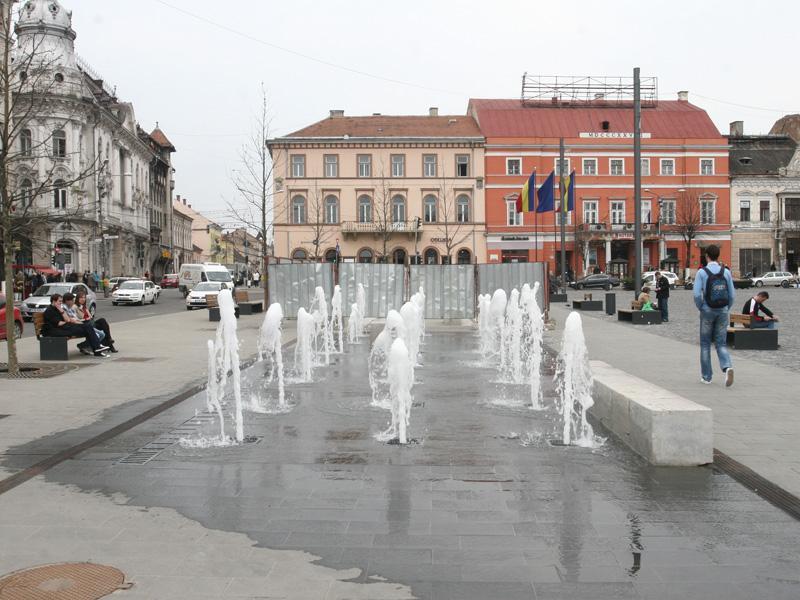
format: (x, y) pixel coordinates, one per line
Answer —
(67, 581)
(152, 449)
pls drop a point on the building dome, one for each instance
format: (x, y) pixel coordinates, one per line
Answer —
(47, 15)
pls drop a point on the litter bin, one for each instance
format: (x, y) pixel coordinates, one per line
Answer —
(611, 304)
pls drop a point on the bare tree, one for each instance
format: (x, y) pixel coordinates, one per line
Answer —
(316, 219)
(688, 221)
(28, 76)
(253, 182)
(451, 224)
(382, 213)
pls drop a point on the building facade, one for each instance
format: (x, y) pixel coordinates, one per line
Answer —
(380, 188)
(208, 244)
(182, 248)
(685, 200)
(765, 202)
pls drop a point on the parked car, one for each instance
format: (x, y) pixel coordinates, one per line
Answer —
(649, 278)
(135, 291)
(600, 280)
(18, 327)
(197, 297)
(170, 280)
(776, 278)
(40, 299)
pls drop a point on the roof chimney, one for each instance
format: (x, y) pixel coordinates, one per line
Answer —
(683, 96)
(178, 196)
(433, 111)
(336, 113)
(737, 128)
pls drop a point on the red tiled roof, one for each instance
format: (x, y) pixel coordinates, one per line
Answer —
(161, 139)
(376, 126)
(509, 118)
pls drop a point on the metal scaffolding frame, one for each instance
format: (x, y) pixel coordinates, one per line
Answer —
(580, 91)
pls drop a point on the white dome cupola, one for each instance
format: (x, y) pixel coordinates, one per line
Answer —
(44, 32)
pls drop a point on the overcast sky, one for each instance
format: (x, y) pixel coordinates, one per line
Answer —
(196, 66)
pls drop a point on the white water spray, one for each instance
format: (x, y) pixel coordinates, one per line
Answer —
(400, 381)
(337, 322)
(319, 308)
(378, 358)
(304, 347)
(361, 300)
(533, 339)
(410, 314)
(494, 330)
(419, 299)
(511, 355)
(269, 345)
(354, 324)
(574, 383)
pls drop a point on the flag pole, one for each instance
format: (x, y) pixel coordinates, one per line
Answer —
(535, 224)
(561, 186)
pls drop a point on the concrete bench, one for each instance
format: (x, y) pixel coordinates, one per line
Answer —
(587, 303)
(51, 347)
(637, 316)
(747, 338)
(664, 428)
(213, 308)
(247, 306)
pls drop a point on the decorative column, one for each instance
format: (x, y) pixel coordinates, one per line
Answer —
(608, 253)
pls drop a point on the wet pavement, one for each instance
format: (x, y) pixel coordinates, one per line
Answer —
(481, 506)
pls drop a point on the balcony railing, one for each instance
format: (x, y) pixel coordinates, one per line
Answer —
(604, 227)
(376, 227)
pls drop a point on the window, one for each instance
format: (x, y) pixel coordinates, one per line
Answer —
(616, 166)
(59, 144)
(365, 165)
(364, 209)
(59, 194)
(398, 165)
(462, 209)
(668, 212)
(25, 142)
(462, 165)
(744, 210)
(398, 209)
(330, 255)
(706, 166)
(331, 209)
(299, 254)
(590, 166)
(763, 211)
(560, 214)
(754, 260)
(645, 166)
(298, 165)
(59, 77)
(429, 209)
(513, 217)
(617, 211)
(25, 193)
(646, 210)
(298, 210)
(429, 165)
(791, 209)
(668, 166)
(590, 211)
(331, 165)
(365, 255)
(464, 257)
(558, 170)
(431, 257)
(513, 166)
(707, 211)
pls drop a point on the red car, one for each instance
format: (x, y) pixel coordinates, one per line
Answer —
(17, 320)
(170, 280)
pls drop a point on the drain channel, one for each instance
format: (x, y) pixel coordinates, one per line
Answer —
(149, 451)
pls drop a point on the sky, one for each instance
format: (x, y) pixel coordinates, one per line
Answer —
(196, 67)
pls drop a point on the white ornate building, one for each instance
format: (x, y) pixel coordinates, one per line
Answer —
(109, 183)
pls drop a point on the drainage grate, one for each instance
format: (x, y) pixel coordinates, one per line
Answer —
(772, 493)
(41, 371)
(149, 451)
(67, 581)
(133, 359)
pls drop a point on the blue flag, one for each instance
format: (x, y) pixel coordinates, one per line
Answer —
(545, 194)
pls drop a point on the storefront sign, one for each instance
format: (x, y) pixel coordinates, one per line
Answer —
(440, 240)
(611, 134)
(515, 238)
(623, 236)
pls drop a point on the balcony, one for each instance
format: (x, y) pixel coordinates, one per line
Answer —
(617, 230)
(354, 228)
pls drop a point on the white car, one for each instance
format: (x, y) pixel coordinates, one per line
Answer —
(135, 291)
(776, 278)
(40, 299)
(197, 297)
(649, 278)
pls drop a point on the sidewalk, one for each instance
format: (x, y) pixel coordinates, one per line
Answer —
(756, 422)
(159, 357)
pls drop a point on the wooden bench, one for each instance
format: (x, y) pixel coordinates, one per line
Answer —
(637, 316)
(748, 338)
(587, 303)
(213, 308)
(51, 347)
(247, 306)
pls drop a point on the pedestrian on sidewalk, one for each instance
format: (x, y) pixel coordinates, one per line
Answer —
(662, 295)
(714, 296)
(755, 307)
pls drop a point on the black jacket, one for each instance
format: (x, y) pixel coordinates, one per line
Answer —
(753, 307)
(52, 317)
(662, 287)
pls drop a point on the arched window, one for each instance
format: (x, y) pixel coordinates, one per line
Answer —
(398, 209)
(26, 142)
(299, 254)
(464, 257)
(59, 144)
(364, 209)
(429, 210)
(462, 209)
(399, 256)
(25, 193)
(331, 209)
(431, 256)
(330, 255)
(59, 194)
(299, 210)
(365, 255)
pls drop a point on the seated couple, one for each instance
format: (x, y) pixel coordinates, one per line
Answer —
(761, 316)
(67, 318)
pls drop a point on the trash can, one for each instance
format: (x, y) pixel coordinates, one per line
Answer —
(611, 304)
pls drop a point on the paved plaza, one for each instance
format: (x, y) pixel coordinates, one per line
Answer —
(481, 506)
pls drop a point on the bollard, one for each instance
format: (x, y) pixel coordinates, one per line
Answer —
(611, 304)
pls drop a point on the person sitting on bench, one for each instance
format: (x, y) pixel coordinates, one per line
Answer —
(57, 324)
(755, 308)
(644, 298)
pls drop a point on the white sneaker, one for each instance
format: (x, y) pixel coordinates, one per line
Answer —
(729, 377)
(706, 381)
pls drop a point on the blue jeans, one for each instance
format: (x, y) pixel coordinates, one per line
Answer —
(663, 306)
(764, 325)
(713, 326)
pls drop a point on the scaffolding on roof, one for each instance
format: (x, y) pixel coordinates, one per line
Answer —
(582, 91)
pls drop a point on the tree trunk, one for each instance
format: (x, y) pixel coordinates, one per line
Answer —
(8, 261)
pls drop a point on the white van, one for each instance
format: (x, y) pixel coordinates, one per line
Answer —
(192, 274)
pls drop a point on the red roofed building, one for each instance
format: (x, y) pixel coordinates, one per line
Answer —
(684, 172)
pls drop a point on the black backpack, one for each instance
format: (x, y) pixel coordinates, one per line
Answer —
(717, 289)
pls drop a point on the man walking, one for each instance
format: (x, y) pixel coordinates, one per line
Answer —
(662, 295)
(714, 297)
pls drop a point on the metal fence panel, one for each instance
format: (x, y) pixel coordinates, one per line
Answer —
(449, 290)
(384, 287)
(508, 276)
(293, 285)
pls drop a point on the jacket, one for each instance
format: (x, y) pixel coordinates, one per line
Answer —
(753, 307)
(662, 287)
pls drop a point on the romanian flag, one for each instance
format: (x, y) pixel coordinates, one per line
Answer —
(569, 191)
(525, 200)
